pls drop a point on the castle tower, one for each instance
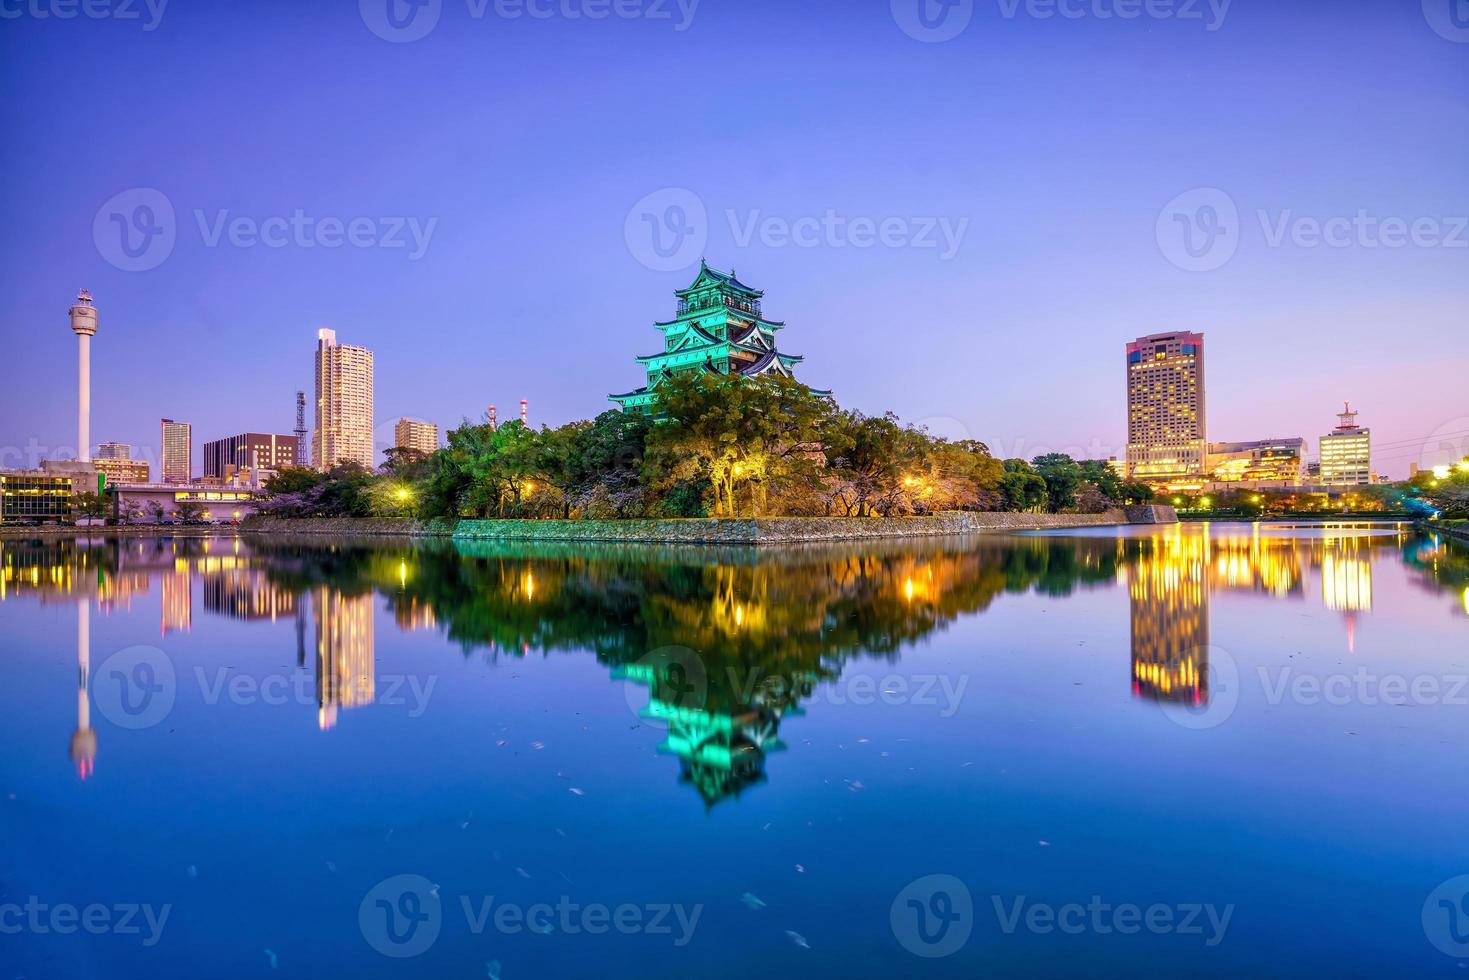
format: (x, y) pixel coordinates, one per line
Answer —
(84, 325)
(718, 328)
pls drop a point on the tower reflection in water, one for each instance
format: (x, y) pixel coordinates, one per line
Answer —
(84, 739)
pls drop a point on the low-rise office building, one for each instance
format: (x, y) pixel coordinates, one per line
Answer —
(35, 496)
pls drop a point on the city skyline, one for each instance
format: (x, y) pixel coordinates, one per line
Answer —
(1051, 249)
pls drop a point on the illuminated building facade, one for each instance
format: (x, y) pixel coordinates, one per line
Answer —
(122, 470)
(1166, 431)
(28, 496)
(1278, 461)
(343, 404)
(1346, 452)
(178, 447)
(113, 450)
(248, 450)
(420, 437)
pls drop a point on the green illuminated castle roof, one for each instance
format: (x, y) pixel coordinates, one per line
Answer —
(718, 327)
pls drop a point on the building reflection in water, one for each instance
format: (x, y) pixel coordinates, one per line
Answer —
(247, 594)
(1169, 598)
(770, 626)
(1346, 581)
(178, 600)
(1173, 572)
(345, 670)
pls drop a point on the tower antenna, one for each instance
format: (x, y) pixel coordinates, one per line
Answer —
(300, 428)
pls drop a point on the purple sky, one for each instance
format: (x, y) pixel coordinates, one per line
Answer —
(1050, 148)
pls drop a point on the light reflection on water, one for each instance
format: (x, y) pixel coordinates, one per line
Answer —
(714, 652)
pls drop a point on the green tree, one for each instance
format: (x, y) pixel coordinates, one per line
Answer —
(1063, 476)
(1022, 489)
(745, 437)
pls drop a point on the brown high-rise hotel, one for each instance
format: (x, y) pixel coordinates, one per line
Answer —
(1166, 436)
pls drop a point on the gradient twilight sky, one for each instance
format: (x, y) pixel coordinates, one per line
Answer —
(1056, 145)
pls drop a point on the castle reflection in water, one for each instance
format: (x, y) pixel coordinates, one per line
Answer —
(723, 643)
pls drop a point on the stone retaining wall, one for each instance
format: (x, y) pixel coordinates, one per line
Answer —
(763, 530)
(395, 526)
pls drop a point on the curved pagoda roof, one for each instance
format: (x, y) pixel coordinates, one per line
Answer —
(708, 276)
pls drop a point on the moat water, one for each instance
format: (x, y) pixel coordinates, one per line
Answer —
(1210, 750)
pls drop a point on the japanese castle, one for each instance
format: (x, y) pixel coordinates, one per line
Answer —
(718, 328)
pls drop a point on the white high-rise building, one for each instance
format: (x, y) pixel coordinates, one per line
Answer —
(1346, 452)
(343, 404)
(84, 325)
